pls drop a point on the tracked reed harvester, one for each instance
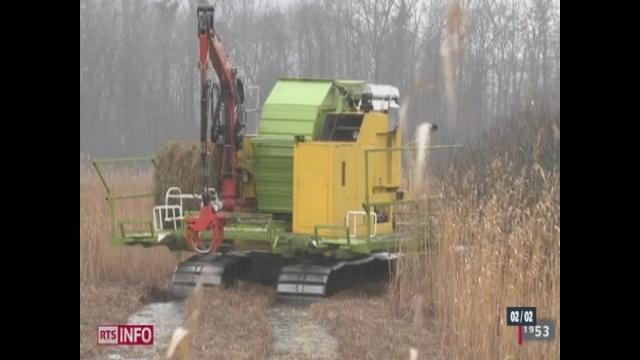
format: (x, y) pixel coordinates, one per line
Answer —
(310, 202)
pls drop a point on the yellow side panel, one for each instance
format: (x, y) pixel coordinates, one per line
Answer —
(311, 186)
(344, 196)
(384, 168)
(329, 178)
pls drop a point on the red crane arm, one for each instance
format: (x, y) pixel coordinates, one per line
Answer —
(212, 45)
(211, 48)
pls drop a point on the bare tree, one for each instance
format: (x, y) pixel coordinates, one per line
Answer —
(138, 80)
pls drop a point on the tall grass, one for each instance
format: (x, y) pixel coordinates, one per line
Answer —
(495, 243)
(102, 262)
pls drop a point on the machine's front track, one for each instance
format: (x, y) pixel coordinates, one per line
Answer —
(212, 270)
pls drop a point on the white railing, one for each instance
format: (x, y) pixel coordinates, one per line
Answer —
(173, 213)
(355, 214)
(159, 219)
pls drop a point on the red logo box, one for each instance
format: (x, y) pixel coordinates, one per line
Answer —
(125, 334)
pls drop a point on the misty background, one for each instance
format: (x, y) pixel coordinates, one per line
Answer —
(465, 66)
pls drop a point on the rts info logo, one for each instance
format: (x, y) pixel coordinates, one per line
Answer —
(125, 334)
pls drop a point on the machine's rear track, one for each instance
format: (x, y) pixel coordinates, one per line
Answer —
(313, 278)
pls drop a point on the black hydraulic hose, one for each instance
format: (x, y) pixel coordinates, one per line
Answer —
(215, 129)
(204, 98)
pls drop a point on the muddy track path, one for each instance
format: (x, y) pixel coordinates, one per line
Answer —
(247, 321)
(299, 336)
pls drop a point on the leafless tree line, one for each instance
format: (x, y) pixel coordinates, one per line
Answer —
(139, 84)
